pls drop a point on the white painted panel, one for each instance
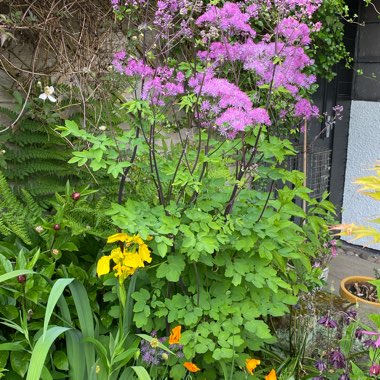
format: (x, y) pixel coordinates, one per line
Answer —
(363, 152)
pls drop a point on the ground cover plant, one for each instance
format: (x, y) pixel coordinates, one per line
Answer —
(179, 272)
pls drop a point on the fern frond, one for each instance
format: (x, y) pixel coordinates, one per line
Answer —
(14, 215)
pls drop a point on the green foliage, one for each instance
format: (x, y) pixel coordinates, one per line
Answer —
(328, 48)
(16, 217)
(35, 157)
(231, 246)
(222, 278)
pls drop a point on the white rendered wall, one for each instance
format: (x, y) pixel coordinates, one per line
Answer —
(362, 153)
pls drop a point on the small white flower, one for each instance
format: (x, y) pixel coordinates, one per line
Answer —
(39, 229)
(47, 94)
(3, 151)
(102, 128)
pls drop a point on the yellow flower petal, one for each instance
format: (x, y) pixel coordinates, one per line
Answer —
(117, 255)
(103, 266)
(251, 364)
(271, 375)
(145, 253)
(133, 260)
(119, 237)
(137, 239)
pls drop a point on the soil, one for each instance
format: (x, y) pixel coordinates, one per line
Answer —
(363, 290)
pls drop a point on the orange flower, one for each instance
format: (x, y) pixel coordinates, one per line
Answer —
(175, 335)
(271, 375)
(251, 364)
(191, 367)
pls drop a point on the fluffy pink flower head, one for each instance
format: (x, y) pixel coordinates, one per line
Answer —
(228, 18)
(303, 108)
(229, 106)
(293, 31)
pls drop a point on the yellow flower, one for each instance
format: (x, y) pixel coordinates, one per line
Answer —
(175, 335)
(271, 375)
(191, 367)
(119, 237)
(103, 266)
(251, 364)
(126, 258)
(145, 253)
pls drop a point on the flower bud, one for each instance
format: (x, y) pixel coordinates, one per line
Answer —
(75, 196)
(102, 128)
(30, 314)
(165, 356)
(57, 227)
(55, 251)
(21, 278)
(374, 370)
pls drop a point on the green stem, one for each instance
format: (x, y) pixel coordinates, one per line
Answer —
(128, 312)
(123, 301)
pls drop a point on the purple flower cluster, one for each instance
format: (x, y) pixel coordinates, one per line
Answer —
(158, 83)
(300, 8)
(337, 359)
(230, 108)
(278, 59)
(169, 11)
(154, 355)
(229, 18)
(294, 31)
(303, 108)
(321, 366)
(338, 109)
(272, 61)
(327, 322)
(349, 316)
(333, 248)
(370, 342)
(116, 4)
(150, 355)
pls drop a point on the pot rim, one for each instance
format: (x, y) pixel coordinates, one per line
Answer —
(351, 297)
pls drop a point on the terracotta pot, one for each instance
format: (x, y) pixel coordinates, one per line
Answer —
(344, 293)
